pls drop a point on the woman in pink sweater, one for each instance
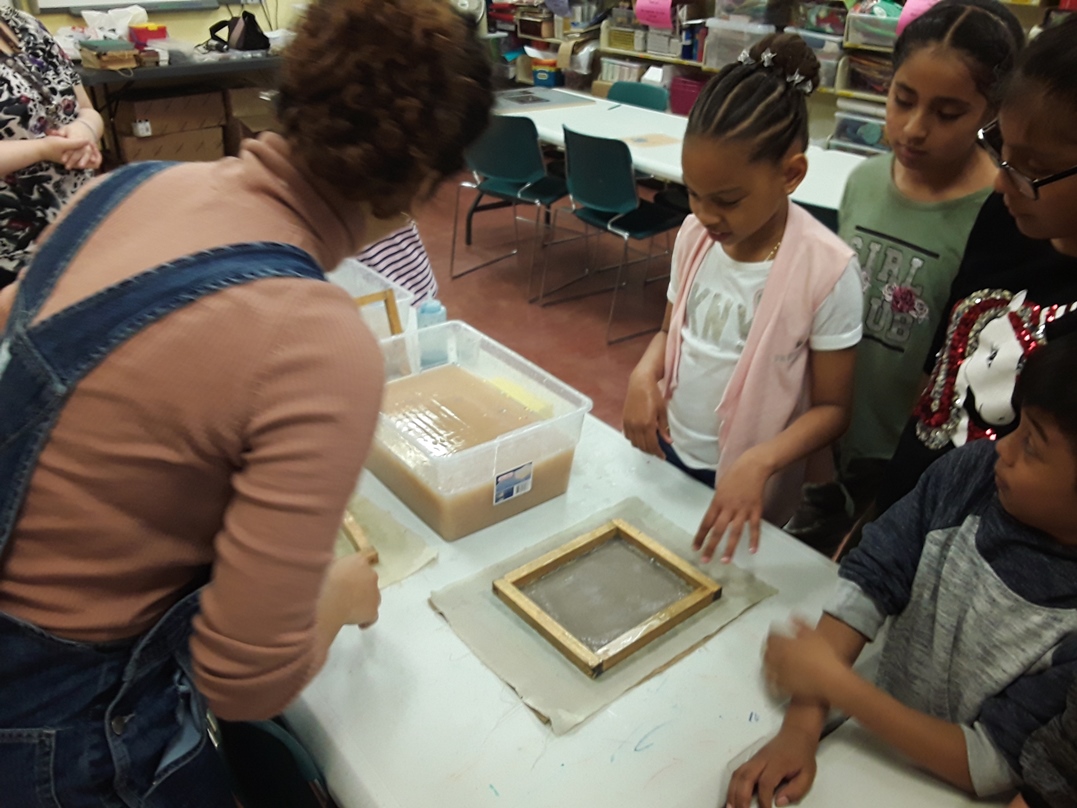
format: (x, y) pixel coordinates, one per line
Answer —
(185, 406)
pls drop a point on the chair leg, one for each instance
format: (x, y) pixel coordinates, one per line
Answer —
(476, 208)
(610, 339)
(471, 215)
(539, 245)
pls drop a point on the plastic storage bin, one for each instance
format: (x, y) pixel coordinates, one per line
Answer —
(827, 18)
(358, 281)
(547, 77)
(853, 148)
(860, 130)
(683, 92)
(828, 73)
(727, 39)
(871, 31)
(459, 492)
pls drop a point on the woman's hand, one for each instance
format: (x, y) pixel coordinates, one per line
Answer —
(350, 596)
(351, 591)
(804, 666)
(645, 415)
(737, 501)
(783, 769)
(82, 152)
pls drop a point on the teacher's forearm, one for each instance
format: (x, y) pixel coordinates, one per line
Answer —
(92, 120)
(18, 154)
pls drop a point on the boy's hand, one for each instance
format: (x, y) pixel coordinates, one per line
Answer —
(737, 501)
(803, 666)
(783, 769)
(645, 416)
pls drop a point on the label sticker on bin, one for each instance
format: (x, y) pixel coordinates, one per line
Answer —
(512, 483)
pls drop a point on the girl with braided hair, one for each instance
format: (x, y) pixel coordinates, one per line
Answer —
(751, 375)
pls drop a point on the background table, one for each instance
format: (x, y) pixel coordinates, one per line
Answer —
(405, 715)
(823, 186)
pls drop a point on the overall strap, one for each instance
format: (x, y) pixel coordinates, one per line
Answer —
(50, 261)
(41, 366)
(110, 317)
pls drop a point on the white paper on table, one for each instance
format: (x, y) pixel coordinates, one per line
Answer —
(546, 681)
(401, 552)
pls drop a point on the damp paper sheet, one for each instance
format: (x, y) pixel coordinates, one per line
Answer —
(547, 682)
(401, 552)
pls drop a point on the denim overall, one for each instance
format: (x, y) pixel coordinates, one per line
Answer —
(111, 724)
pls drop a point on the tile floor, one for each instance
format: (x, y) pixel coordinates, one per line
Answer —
(567, 339)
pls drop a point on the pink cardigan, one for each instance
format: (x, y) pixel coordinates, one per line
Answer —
(771, 384)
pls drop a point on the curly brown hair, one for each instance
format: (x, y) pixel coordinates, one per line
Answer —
(380, 98)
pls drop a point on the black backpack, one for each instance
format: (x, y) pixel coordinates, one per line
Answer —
(244, 33)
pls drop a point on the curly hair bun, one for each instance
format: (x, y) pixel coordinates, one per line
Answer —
(789, 56)
(380, 98)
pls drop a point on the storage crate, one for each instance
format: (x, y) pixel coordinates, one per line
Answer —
(727, 39)
(463, 490)
(683, 92)
(871, 31)
(824, 17)
(860, 130)
(547, 77)
(854, 148)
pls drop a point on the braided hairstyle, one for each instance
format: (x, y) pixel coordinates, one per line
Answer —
(984, 33)
(761, 98)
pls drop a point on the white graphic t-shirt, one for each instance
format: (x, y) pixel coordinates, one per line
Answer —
(721, 305)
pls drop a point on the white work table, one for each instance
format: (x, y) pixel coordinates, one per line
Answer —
(404, 715)
(823, 186)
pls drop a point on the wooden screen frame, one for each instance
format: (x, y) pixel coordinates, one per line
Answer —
(358, 538)
(705, 590)
(387, 297)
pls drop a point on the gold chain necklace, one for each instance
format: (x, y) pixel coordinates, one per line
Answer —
(773, 252)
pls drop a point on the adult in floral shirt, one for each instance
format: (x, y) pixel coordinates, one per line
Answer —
(49, 132)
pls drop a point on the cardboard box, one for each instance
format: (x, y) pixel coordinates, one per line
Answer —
(239, 129)
(260, 123)
(252, 102)
(600, 89)
(191, 146)
(168, 115)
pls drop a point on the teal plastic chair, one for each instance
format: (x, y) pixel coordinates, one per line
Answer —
(269, 767)
(638, 94)
(602, 190)
(506, 164)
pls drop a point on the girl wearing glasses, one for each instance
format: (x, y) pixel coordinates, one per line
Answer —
(1020, 264)
(49, 132)
(908, 215)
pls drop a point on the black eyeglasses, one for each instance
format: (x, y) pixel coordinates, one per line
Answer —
(990, 140)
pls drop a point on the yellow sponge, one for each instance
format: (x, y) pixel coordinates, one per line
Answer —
(542, 408)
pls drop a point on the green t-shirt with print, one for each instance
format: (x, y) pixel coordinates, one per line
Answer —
(909, 254)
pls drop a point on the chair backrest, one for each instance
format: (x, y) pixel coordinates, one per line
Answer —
(640, 95)
(599, 173)
(270, 768)
(508, 150)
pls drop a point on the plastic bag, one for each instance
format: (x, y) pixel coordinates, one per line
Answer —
(114, 23)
